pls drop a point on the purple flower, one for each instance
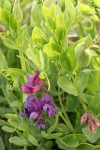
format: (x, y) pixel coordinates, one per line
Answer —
(35, 108)
(41, 123)
(48, 106)
(34, 84)
(34, 115)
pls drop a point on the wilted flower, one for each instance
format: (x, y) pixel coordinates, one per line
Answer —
(36, 107)
(34, 84)
(92, 121)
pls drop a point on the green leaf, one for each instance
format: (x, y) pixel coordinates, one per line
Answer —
(10, 44)
(81, 58)
(52, 127)
(4, 110)
(48, 3)
(8, 129)
(97, 147)
(16, 140)
(86, 98)
(93, 84)
(69, 140)
(61, 145)
(2, 99)
(85, 146)
(72, 103)
(17, 10)
(88, 40)
(91, 136)
(36, 16)
(62, 128)
(65, 62)
(7, 5)
(54, 135)
(3, 62)
(82, 138)
(82, 79)
(60, 34)
(44, 134)
(44, 62)
(95, 103)
(70, 15)
(15, 71)
(67, 85)
(33, 140)
(52, 50)
(13, 26)
(4, 16)
(38, 37)
(91, 53)
(71, 56)
(59, 21)
(51, 23)
(2, 147)
(32, 56)
(14, 120)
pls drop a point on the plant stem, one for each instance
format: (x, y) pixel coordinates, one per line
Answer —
(47, 81)
(66, 122)
(64, 112)
(83, 104)
(25, 147)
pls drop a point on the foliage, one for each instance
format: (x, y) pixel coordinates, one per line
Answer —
(60, 38)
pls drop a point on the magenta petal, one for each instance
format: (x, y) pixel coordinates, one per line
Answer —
(37, 73)
(30, 82)
(26, 89)
(35, 89)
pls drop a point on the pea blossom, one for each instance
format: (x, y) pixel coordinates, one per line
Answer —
(93, 122)
(35, 108)
(34, 84)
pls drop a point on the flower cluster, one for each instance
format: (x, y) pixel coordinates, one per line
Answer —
(92, 121)
(34, 84)
(35, 108)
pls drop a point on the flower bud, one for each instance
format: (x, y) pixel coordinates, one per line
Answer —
(84, 118)
(95, 121)
(91, 126)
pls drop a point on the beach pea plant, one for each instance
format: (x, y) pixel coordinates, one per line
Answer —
(50, 74)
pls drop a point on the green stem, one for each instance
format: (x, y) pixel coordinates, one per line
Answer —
(64, 112)
(47, 81)
(83, 104)
(66, 122)
(25, 147)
